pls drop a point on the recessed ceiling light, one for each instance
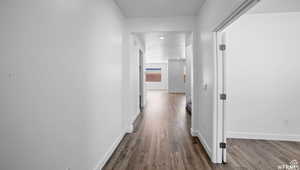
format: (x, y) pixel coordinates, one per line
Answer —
(162, 38)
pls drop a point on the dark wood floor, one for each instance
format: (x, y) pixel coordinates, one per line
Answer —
(262, 154)
(162, 141)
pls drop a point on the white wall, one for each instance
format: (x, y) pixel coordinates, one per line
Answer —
(136, 44)
(163, 85)
(159, 24)
(176, 76)
(276, 6)
(263, 76)
(61, 83)
(189, 61)
(171, 47)
(211, 14)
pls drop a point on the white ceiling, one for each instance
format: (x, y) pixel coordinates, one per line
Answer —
(159, 8)
(273, 6)
(171, 47)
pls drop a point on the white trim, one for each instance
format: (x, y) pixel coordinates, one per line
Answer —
(218, 118)
(114, 146)
(177, 59)
(193, 132)
(264, 136)
(135, 117)
(130, 128)
(203, 142)
(179, 91)
(109, 153)
(237, 12)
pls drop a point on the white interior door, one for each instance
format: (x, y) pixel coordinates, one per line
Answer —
(176, 76)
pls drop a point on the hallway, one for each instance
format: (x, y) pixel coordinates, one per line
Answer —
(162, 139)
(74, 76)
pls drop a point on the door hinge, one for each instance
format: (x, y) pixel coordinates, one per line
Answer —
(223, 145)
(223, 96)
(222, 47)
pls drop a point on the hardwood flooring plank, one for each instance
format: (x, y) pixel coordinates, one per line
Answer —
(162, 141)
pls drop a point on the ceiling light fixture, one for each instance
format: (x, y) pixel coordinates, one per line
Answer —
(162, 38)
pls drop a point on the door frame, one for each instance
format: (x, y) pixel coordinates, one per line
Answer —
(220, 80)
(141, 81)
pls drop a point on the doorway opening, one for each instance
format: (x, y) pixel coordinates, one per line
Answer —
(141, 80)
(165, 60)
(257, 75)
(162, 138)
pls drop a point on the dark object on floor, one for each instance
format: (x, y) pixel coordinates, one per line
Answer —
(188, 107)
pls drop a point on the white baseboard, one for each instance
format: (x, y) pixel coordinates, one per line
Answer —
(114, 146)
(264, 136)
(135, 117)
(131, 126)
(130, 129)
(109, 153)
(203, 142)
(179, 92)
(194, 133)
(206, 147)
(157, 89)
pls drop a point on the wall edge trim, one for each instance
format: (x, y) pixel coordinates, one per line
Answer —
(264, 136)
(110, 152)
